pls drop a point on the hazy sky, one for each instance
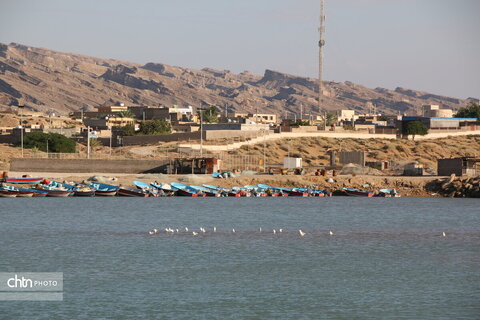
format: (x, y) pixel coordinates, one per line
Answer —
(430, 45)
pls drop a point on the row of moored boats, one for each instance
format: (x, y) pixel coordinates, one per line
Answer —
(40, 187)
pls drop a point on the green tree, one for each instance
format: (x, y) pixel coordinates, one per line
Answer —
(152, 127)
(300, 123)
(414, 128)
(94, 142)
(126, 114)
(210, 115)
(128, 130)
(56, 142)
(472, 110)
(331, 118)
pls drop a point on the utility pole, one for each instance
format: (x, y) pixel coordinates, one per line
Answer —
(21, 126)
(88, 142)
(321, 44)
(264, 155)
(325, 118)
(201, 132)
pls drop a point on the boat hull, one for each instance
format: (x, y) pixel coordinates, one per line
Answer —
(359, 193)
(58, 193)
(106, 193)
(21, 180)
(292, 193)
(40, 194)
(90, 193)
(185, 193)
(131, 193)
(8, 194)
(25, 194)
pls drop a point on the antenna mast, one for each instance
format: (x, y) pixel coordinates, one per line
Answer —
(321, 44)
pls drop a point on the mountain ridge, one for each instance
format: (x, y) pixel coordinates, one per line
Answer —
(45, 79)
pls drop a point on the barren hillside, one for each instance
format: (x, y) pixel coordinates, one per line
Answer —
(47, 80)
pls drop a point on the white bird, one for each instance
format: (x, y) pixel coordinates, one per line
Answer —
(166, 229)
(186, 229)
(151, 233)
(233, 230)
(260, 229)
(194, 233)
(274, 231)
(203, 230)
(155, 230)
(214, 229)
(444, 234)
(281, 230)
(176, 230)
(302, 233)
(331, 233)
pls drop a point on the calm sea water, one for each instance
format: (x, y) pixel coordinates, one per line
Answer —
(387, 258)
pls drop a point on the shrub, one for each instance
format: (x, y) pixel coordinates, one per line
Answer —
(152, 127)
(56, 142)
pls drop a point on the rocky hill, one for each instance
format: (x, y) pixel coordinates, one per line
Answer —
(47, 80)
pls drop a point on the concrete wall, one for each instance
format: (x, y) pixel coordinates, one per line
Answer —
(357, 157)
(87, 165)
(448, 166)
(141, 140)
(9, 138)
(235, 126)
(229, 134)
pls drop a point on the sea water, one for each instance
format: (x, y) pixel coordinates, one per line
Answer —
(386, 259)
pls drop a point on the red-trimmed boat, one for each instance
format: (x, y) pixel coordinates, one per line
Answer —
(131, 192)
(358, 193)
(295, 193)
(103, 190)
(187, 193)
(5, 193)
(56, 193)
(30, 180)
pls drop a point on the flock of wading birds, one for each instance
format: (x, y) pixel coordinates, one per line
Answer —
(214, 230)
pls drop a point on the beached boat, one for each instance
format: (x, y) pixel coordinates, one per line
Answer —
(83, 191)
(77, 190)
(145, 187)
(54, 192)
(165, 189)
(6, 193)
(37, 193)
(131, 192)
(104, 190)
(186, 191)
(206, 191)
(24, 180)
(21, 192)
(358, 193)
(388, 193)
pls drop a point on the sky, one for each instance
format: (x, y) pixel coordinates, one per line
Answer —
(429, 45)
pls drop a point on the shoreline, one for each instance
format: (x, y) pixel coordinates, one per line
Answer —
(406, 186)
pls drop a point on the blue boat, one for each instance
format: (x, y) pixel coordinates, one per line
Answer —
(104, 190)
(185, 190)
(146, 187)
(76, 190)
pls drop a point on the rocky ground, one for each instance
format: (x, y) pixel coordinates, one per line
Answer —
(456, 187)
